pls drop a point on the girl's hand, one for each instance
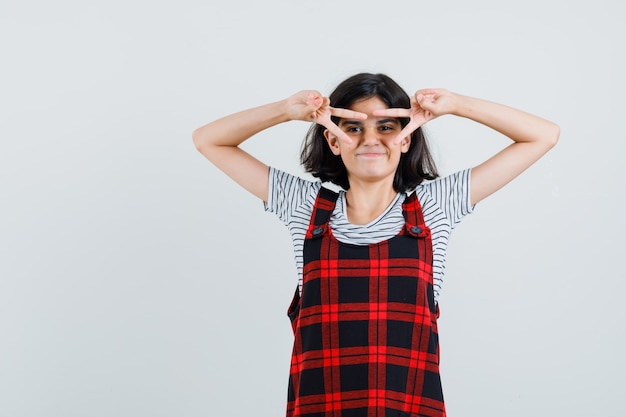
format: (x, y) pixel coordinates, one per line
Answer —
(426, 105)
(311, 106)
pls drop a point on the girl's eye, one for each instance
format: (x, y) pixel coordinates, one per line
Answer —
(355, 129)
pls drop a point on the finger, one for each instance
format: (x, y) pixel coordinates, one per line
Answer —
(395, 112)
(426, 98)
(347, 114)
(335, 130)
(427, 92)
(421, 98)
(314, 101)
(408, 130)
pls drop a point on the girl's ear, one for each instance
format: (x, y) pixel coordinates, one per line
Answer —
(405, 144)
(333, 142)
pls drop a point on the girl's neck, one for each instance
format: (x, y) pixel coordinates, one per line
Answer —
(365, 202)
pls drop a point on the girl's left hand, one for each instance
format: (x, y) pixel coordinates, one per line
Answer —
(426, 105)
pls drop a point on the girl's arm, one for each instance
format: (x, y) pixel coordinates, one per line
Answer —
(219, 141)
(532, 135)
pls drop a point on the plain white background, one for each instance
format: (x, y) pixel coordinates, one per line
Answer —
(137, 280)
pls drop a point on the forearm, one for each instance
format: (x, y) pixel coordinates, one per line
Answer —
(219, 142)
(234, 129)
(533, 137)
(515, 124)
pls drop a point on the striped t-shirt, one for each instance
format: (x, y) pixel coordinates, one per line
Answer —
(445, 201)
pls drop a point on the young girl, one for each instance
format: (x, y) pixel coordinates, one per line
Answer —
(371, 257)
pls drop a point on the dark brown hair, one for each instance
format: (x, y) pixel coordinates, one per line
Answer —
(415, 166)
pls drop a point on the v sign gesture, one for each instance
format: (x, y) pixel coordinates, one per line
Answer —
(312, 106)
(426, 105)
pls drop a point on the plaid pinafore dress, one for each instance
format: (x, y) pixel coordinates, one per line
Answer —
(365, 324)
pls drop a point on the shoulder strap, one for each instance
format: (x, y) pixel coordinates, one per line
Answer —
(414, 217)
(322, 210)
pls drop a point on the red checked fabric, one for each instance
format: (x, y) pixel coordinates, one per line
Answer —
(365, 326)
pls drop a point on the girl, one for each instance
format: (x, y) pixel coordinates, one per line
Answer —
(370, 257)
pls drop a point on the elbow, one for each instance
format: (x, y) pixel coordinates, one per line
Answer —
(196, 137)
(548, 136)
(203, 144)
(553, 136)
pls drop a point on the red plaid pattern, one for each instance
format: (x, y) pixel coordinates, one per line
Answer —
(365, 326)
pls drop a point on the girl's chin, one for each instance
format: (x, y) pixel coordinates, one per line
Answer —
(371, 176)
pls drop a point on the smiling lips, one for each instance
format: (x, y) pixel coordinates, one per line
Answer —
(371, 154)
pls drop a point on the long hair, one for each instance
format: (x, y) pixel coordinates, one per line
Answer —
(415, 166)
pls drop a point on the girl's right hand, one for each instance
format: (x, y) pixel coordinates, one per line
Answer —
(311, 106)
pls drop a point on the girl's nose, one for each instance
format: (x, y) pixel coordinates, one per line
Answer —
(370, 133)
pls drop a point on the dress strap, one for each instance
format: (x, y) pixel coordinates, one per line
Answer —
(413, 217)
(322, 211)
(415, 226)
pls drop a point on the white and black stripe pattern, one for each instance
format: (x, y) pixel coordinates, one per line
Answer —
(445, 201)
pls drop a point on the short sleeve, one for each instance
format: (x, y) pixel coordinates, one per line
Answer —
(287, 193)
(452, 195)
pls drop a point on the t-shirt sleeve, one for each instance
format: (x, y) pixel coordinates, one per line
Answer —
(452, 195)
(288, 192)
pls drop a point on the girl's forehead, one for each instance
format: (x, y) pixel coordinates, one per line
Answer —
(368, 104)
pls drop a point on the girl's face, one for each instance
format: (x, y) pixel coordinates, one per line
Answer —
(371, 156)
